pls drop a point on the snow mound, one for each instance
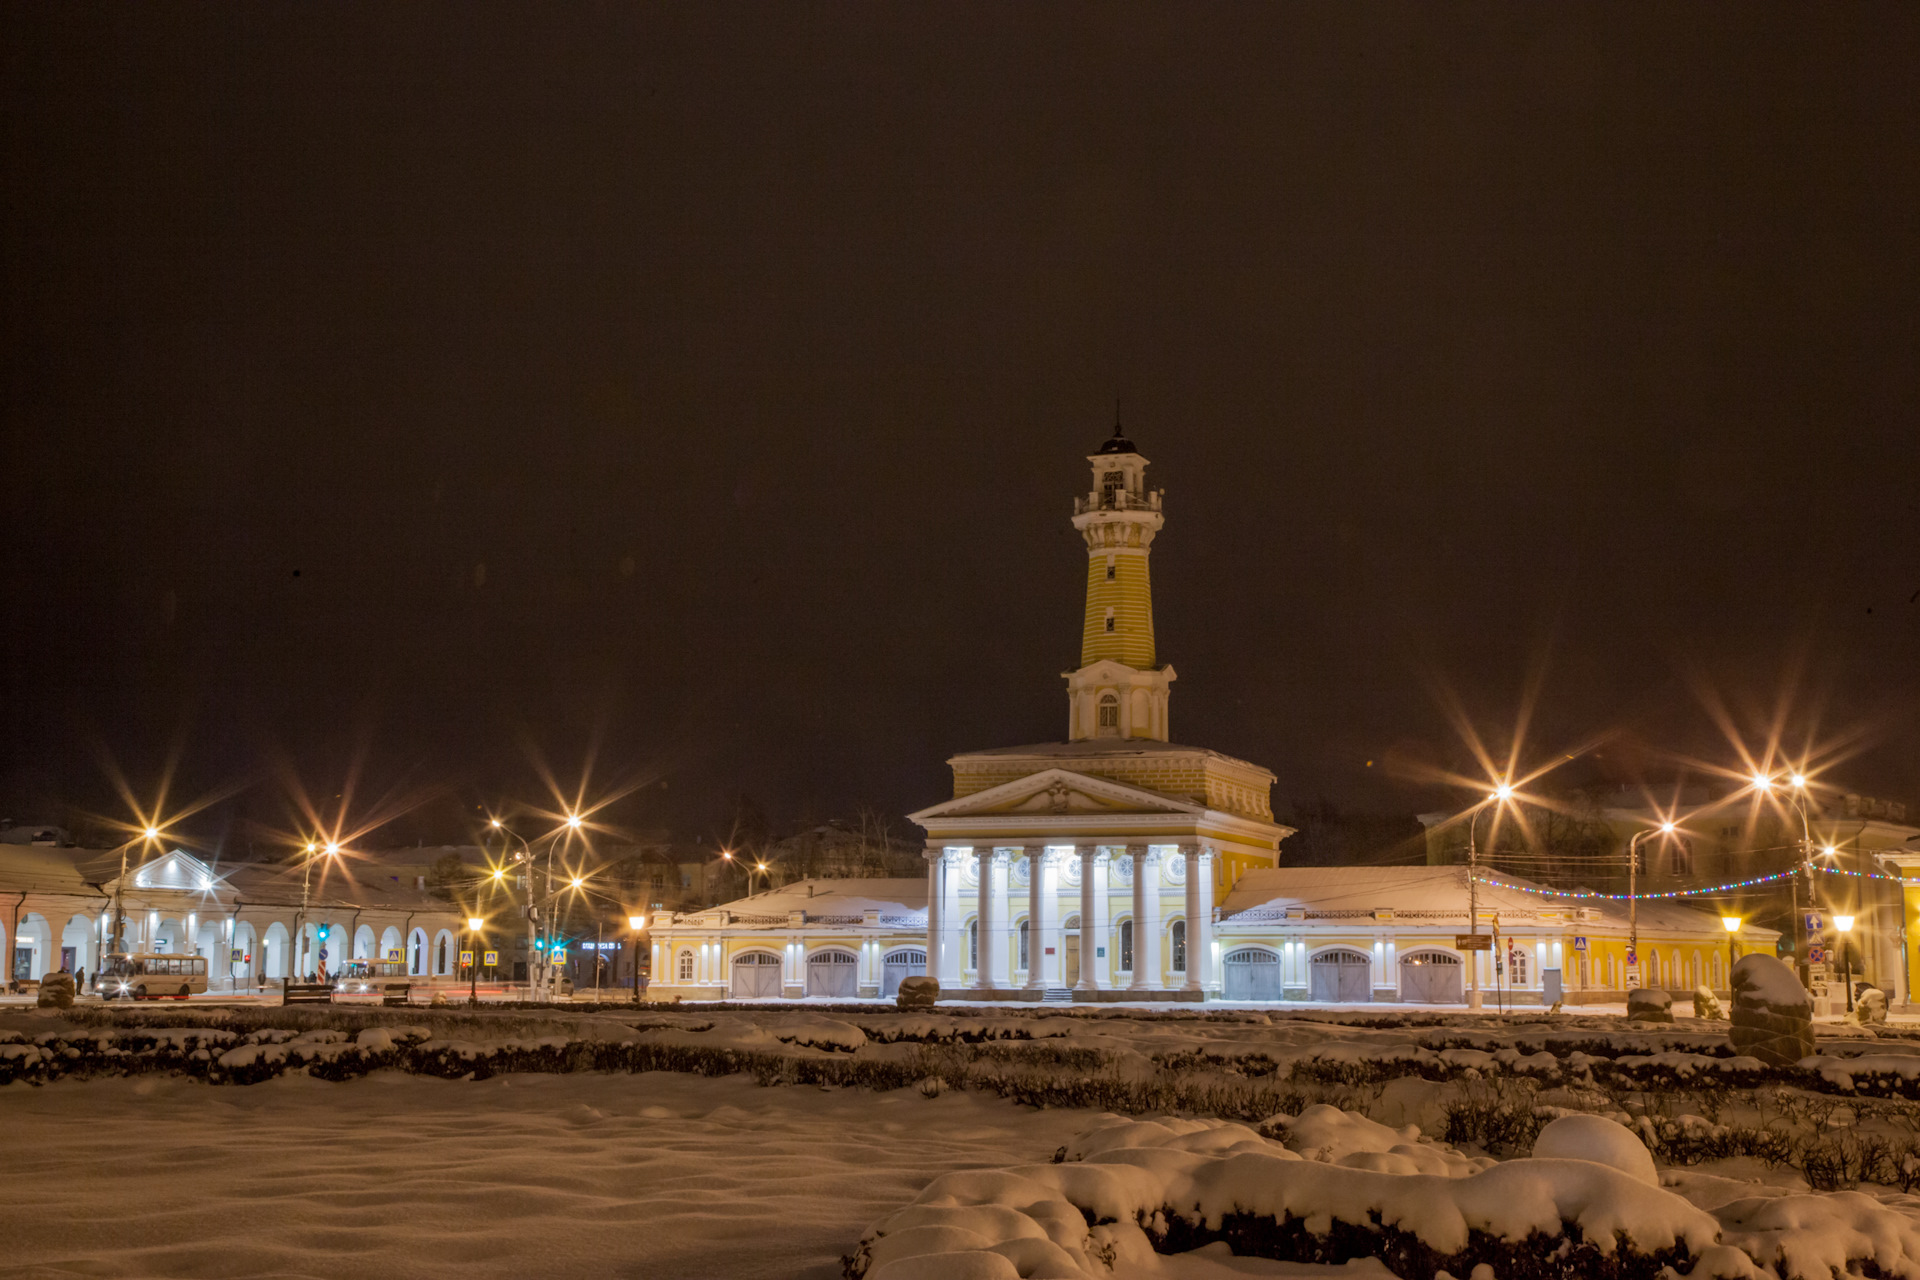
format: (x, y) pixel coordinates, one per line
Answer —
(1597, 1139)
(1349, 1139)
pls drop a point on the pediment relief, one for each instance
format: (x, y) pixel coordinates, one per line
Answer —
(1059, 791)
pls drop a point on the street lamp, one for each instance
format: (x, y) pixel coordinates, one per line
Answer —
(149, 835)
(1633, 889)
(1502, 792)
(1732, 925)
(331, 849)
(636, 923)
(1845, 925)
(473, 967)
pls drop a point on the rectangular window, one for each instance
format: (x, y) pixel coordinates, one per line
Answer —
(1111, 569)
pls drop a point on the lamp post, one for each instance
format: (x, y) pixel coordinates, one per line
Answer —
(332, 849)
(1500, 795)
(473, 965)
(1633, 888)
(525, 858)
(148, 836)
(1732, 925)
(1845, 925)
(636, 923)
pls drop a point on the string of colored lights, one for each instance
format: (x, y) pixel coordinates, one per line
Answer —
(1678, 893)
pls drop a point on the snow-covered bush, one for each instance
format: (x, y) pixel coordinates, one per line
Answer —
(1705, 1003)
(1647, 1005)
(1772, 1013)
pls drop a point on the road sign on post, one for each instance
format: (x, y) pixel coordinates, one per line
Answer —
(493, 959)
(1473, 941)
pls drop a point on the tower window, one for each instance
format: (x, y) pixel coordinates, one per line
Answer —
(1109, 619)
(1109, 712)
(1111, 484)
(1110, 569)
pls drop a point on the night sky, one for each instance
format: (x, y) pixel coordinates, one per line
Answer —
(411, 392)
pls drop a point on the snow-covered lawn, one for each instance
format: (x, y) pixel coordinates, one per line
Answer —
(566, 1151)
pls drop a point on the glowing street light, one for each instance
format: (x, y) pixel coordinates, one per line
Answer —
(1845, 925)
(573, 821)
(473, 967)
(1633, 888)
(636, 924)
(1502, 793)
(1732, 925)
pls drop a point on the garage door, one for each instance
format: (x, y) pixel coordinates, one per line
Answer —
(1432, 977)
(1339, 976)
(756, 976)
(833, 973)
(1252, 974)
(896, 965)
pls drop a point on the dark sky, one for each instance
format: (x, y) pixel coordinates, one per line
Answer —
(415, 384)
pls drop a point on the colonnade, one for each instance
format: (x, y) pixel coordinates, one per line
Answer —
(978, 950)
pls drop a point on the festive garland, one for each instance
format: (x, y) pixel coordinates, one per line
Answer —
(1677, 893)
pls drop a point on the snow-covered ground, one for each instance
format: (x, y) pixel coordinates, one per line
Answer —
(643, 1172)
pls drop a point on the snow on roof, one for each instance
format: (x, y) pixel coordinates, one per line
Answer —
(834, 897)
(44, 869)
(1411, 890)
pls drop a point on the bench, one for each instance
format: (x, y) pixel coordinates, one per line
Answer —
(396, 993)
(307, 993)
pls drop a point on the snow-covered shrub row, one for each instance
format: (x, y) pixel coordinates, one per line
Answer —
(1329, 1188)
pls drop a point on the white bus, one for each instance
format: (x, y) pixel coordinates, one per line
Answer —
(151, 976)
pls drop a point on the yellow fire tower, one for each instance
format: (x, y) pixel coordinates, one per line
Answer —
(1118, 692)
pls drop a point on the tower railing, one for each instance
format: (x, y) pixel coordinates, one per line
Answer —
(1120, 501)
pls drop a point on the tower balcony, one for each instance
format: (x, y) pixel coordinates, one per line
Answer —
(1118, 500)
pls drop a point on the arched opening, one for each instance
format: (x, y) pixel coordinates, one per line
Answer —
(443, 955)
(77, 947)
(973, 945)
(246, 970)
(276, 945)
(1025, 962)
(363, 942)
(897, 965)
(684, 971)
(417, 959)
(1177, 945)
(834, 974)
(1070, 951)
(1251, 973)
(1432, 977)
(756, 976)
(1109, 713)
(390, 944)
(1126, 946)
(1340, 975)
(32, 947)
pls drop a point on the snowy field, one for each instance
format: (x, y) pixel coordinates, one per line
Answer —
(956, 1143)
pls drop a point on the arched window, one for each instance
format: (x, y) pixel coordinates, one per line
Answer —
(1653, 968)
(1516, 965)
(1109, 710)
(1179, 936)
(1024, 962)
(1126, 946)
(442, 966)
(686, 966)
(973, 945)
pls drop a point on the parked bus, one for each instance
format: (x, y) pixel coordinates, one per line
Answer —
(369, 977)
(151, 976)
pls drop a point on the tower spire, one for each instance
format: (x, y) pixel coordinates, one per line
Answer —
(1118, 691)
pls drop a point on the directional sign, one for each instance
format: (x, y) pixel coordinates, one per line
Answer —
(493, 958)
(1813, 923)
(1579, 944)
(1473, 941)
(323, 953)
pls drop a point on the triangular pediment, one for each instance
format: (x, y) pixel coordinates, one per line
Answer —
(176, 870)
(1059, 792)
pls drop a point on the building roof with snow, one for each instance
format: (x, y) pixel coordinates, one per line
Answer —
(888, 903)
(1328, 895)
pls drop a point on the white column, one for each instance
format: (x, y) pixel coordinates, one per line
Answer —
(1002, 954)
(1200, 969)
(1053, 955)
(1092, 937)
(1092, 946)
(1037, 936)
(1146, 918)
(983, 974)
(936, 863)
(1195, 965)
(954, 944)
